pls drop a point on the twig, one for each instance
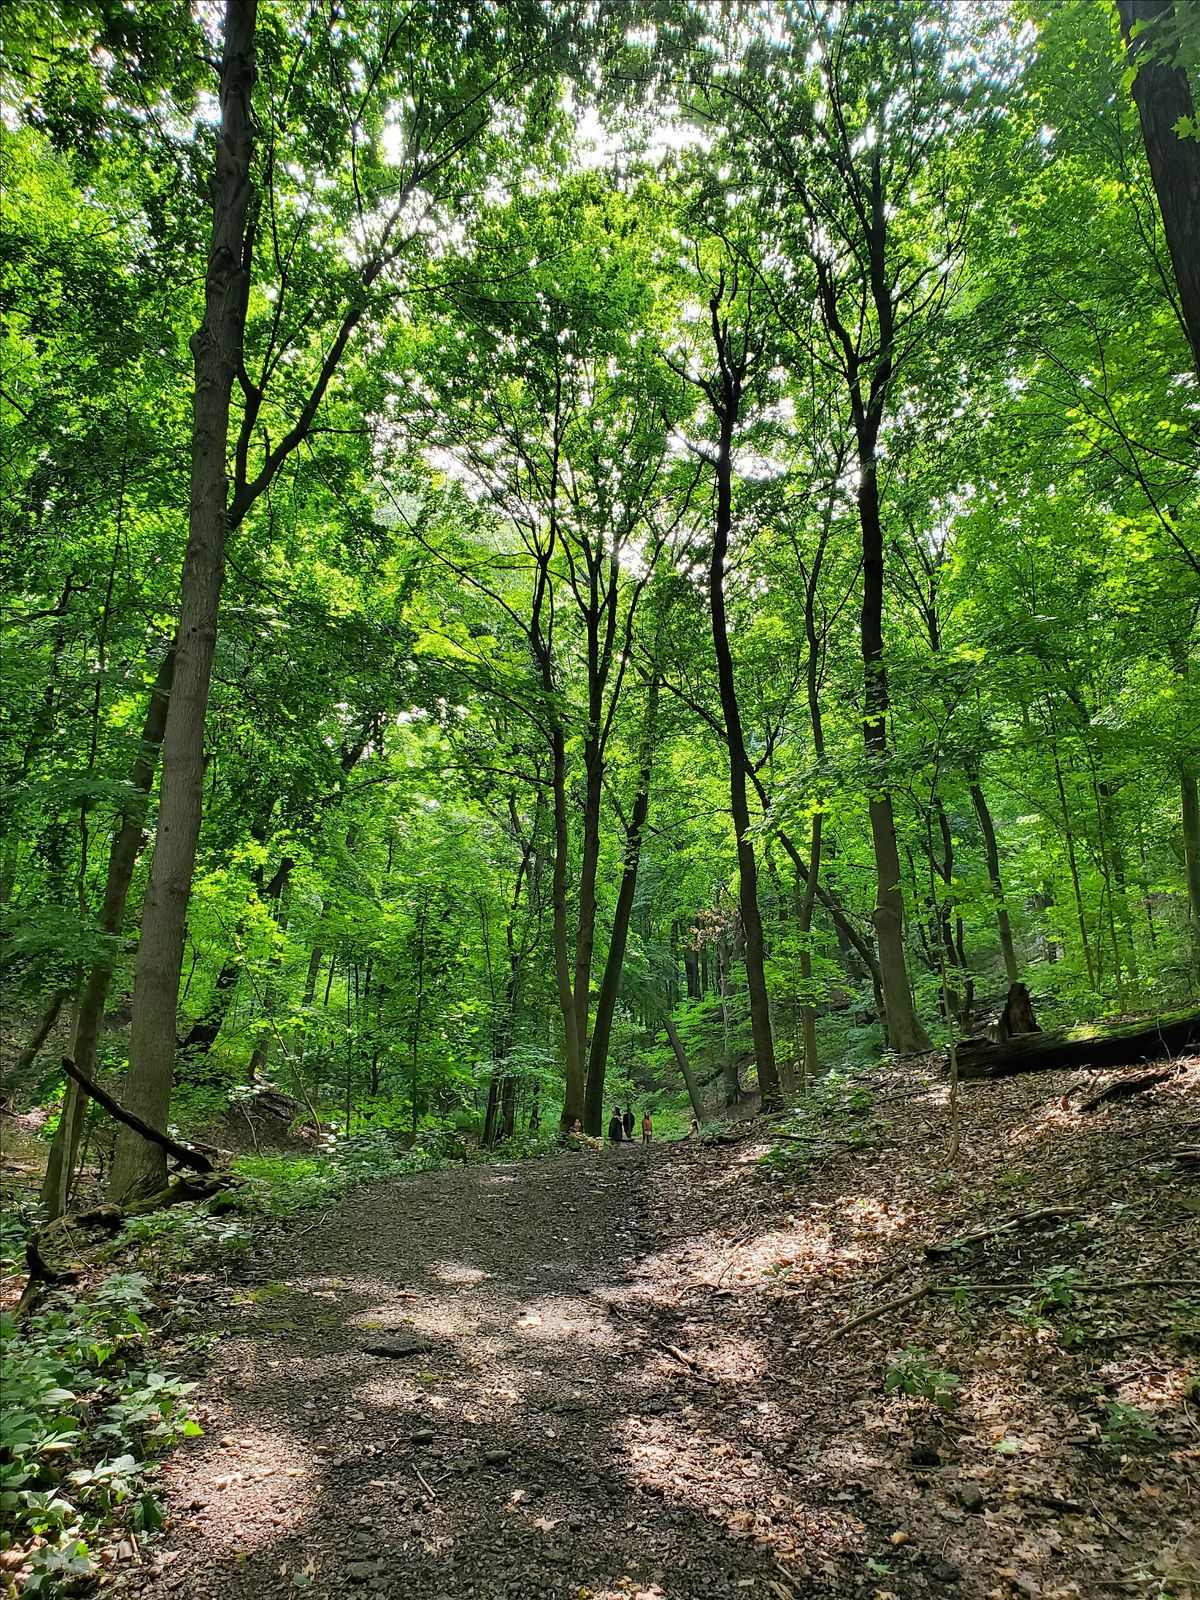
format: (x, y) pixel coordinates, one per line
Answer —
(429, 1489)
(882, 1311)
(1120, 1532)
(680, 1355)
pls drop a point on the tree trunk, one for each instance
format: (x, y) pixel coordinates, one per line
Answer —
(310, 977)
(1163, 95)
(1189, 790)
(610, 983)
(1120, 1046)
(756, 981)
(905, 1034)
(42, 1029)
(685, 1068)
(1003, 926)
(138, 1167)
(573, 1068)
(89, 1014)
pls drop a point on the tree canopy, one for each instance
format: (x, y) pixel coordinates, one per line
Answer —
(647, 537)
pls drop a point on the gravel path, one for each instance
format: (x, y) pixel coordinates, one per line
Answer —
(504, 1458)
(618, 1374)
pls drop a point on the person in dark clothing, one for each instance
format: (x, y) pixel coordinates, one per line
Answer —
(627, 1122)
(616, 1128)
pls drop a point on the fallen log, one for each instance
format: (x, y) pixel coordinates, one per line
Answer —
(1120, 1046)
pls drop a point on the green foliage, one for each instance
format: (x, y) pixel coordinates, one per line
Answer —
(278, 1186)
(448, 612)
(914, 1372)
(84, 1415)
(1127, 1427)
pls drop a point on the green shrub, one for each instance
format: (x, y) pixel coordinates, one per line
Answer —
(913, 1372)
(279, 1185)
(82, 1414)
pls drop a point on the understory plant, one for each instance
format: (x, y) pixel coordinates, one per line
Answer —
(85, 1413)
(915, 1372)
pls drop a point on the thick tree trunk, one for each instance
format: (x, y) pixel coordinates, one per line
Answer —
(1003, 926)
(685, 1069)
(89, 1014)
(1163, 95)
(756, 981)
(139, 1167)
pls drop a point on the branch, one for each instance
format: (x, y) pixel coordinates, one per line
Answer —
(181, 1152)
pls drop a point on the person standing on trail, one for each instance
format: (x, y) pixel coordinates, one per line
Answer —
(647, 1128)
(616, 1127)
(627, 1122)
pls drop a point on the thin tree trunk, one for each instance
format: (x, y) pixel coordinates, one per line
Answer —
(89, 1014)
(1189, 794)
(414, 1087)
(310, 977)
(1003, 925)
(685, 1068)
(610, 983)
(756, 980)
(1073, 864)
(139, 1168)
(42, 1029)
(804, 918)
(573, 1097)
(905, 1033)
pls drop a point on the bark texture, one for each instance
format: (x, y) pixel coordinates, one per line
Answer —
(89, 1012)
(1163, 95)
(140, 1167)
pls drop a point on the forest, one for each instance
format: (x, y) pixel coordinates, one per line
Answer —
(560, 557)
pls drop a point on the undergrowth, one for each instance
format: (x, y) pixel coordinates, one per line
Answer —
(86, 1409)
(85, 1412)
(836, 1110)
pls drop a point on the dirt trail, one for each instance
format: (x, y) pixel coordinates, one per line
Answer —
(628, 1389)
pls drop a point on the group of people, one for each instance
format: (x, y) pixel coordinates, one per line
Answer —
(620, 1129)
(621, 1125)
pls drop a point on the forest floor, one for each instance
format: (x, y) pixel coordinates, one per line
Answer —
(631, 1383)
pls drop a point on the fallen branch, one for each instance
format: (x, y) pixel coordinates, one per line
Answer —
(818, 1138)
(1122, 1088)
(926, 1289)
(1007, 1225)
(883, 1310)
(182, 1153)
